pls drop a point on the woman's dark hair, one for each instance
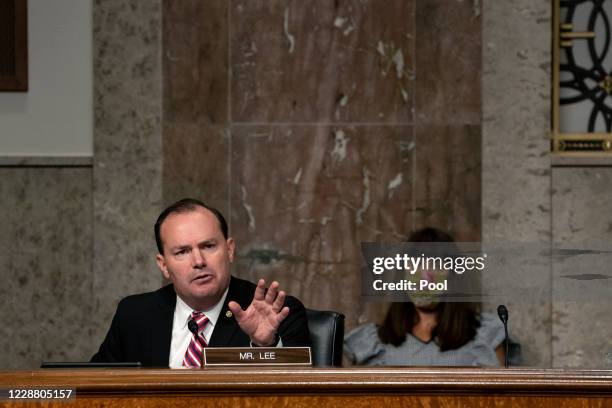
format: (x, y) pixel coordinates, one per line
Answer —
(457, 322)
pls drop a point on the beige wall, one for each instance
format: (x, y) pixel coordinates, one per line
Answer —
(55, 116)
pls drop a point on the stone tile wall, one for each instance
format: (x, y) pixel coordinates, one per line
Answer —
(315, 125)
(45, 262)
(581, 219)
(127, 171)
(516, 152)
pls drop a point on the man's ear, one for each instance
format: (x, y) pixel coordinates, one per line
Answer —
(161, 263)
(231, 248)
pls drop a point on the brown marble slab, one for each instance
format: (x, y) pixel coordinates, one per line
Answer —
(195, 61)
(334, 185)
(304, 197)
(447, 180)
(322, 61)
(320, 147)
(197, 164)
(448, 61)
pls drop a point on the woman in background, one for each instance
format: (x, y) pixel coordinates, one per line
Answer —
(428, 333)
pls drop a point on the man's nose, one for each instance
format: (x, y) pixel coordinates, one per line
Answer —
(198, 259)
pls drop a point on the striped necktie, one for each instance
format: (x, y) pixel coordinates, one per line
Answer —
(193, 355)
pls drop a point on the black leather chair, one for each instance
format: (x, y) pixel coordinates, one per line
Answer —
(327, 336)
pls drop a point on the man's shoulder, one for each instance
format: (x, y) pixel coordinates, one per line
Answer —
(241, 291)
(241, 284)
(164, 296)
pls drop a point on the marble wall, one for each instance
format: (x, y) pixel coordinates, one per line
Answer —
(581, 219)
(516, 203)
(315, 125)
(76, 238)
(527, 199)
(127, 171)
(45, 262)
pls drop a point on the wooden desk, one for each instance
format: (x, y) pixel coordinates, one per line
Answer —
(314, 387)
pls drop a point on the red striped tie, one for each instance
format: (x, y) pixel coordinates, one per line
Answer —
(193, 355)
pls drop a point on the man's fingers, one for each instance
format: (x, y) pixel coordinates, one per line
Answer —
(272, 292)
(236, 310)
(282, 314)
(260, 290)
(279, 301)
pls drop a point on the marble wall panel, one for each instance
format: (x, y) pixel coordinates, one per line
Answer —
(582, 219)
(319, 285)
(304, 197)
(45, 264)
(516, 200)
(127, 172)
(448, 62)
(447, 180)
(197, 164)
(447, 117)
(196, 82)
(195, 61)
(305, 192)
(322, 61)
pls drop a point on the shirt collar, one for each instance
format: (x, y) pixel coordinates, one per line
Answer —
(183, 310)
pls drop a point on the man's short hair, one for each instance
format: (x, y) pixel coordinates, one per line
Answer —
(182, 206)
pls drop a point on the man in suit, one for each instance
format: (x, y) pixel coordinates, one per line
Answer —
(195, 254)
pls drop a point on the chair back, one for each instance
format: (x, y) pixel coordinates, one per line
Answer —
(327, 336)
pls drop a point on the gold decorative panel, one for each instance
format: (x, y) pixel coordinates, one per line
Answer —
(582, 77)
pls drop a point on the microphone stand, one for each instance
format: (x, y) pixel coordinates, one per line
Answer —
(502, 312)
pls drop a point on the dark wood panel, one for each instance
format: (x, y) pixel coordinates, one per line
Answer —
(362, 381)
(13, 45)
(308, 401)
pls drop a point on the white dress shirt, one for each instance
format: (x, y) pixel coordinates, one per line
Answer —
(181, 336)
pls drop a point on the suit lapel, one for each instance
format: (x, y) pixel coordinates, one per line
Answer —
(161, 327)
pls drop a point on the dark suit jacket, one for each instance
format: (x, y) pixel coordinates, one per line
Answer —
(142, 327)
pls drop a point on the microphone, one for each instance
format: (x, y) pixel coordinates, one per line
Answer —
(502, 312)
(193, 328)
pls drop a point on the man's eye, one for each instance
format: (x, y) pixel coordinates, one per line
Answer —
(210, 245)
(181, 252)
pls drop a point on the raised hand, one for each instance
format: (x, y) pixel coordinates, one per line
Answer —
(261, 319)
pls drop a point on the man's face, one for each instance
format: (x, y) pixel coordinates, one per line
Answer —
(196, 257)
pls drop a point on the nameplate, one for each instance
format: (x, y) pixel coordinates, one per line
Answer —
(248, 356)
